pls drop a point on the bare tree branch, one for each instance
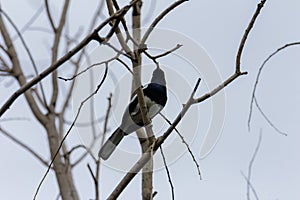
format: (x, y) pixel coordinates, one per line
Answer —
(15, 119)
(98, 162)
(154, 58)
(167, 52)
(248, 178)
(250, 185)
(186, 144)
(55, 47)
(245, 36)
(116, 16)
(30, 21)
(85, 124)
(159, 18)
(89, 67)
(123, 21)
(106, 118)
(152, 149)
(146, 156)
(6, 52)
(18, 73)
(49, 16)
(146, 142)
(118, 31)
(96, 15)
(69, 130)
(23, 145)
(267, 119)
(124, 64)
(92, 173)
(81, 146)
(38, 96)
(90, 146)
(258, 76)
(168, 172)
(27, 51)
(4, 65)
(238, 56)
(64, 58)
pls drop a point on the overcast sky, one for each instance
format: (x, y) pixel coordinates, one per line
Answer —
(210, 31)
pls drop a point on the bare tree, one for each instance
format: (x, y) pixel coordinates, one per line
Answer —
(50, 109)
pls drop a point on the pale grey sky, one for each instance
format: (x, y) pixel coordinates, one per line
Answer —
(216, 26)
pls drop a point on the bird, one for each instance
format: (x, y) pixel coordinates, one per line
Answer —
(155, 94)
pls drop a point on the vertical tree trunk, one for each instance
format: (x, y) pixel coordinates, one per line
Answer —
(147, 173)
(61, 165)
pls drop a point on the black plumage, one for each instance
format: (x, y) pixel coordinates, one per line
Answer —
(155, 95)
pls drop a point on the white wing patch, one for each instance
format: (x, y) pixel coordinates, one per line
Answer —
(136, 110)
(153, 107)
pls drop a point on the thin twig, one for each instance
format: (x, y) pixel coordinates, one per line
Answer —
(92, 107)
(167, 52)
(89, 67)
(85, 124)
(250, 185)
(251, 165)
(92, 173)
(152, 149)
(120, 51)
(55, 48)
(38, 96)
(123, 21)
(90, 146)
(106, 118)
(219, 87)
(125, 65)
(49, 16)
(4, 65)
(98, 162)
(145, 157)
(117, 30)
(67, 100)
(63, 59)
(4, 49)
(30, 21)
(81, 146)
(259, 74)
(25, 146)
(159, 18)
(40, 29)
(96, 15)
(168, 172)
(267, 118)
(154, 194)
(186, 144)
(245, 36)
(17, 71)
(15, 119)
(154, 58)
(69, 130)
(27, 51)
(238, 56)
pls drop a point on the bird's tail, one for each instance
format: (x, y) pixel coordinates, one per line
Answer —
(110, 145)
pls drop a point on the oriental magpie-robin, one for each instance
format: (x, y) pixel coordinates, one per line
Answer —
(155, 98)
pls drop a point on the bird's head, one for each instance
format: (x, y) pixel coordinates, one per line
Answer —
(158, 76)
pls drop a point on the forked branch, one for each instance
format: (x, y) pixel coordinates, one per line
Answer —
(159, 141)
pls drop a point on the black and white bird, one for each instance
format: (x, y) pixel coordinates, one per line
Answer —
(155, 98)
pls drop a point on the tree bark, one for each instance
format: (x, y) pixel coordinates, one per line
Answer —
(61, 165)
(147, 173)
